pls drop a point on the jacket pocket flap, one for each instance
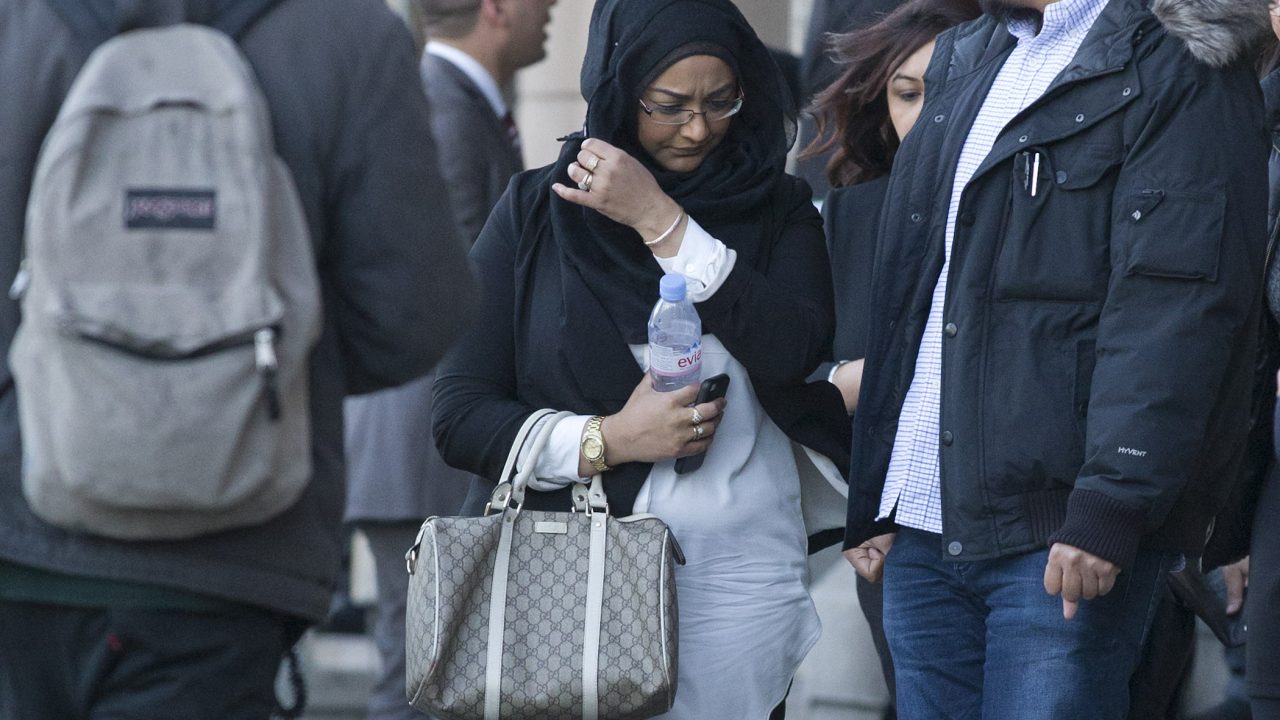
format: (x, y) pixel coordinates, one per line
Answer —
(166, 321)
(1086, 167)
(1174, 233)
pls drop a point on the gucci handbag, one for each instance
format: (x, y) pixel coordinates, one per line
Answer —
(529, 614)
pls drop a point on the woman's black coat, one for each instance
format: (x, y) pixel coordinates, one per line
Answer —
(851, 216)
(776, 319)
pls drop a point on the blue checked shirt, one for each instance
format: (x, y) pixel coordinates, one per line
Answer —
(913, 483)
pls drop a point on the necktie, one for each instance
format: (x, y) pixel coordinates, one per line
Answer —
(513, 133)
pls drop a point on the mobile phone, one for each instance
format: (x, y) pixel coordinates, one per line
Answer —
(713, 388)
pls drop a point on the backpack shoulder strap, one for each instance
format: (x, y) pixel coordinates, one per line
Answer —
(235, 18)
(88, 25)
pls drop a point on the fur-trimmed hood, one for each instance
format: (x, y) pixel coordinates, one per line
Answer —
(1215, 31)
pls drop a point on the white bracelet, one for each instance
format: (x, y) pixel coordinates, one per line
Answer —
(831, 376)
(666, 234)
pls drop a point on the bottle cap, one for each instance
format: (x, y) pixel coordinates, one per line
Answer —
(672, 288)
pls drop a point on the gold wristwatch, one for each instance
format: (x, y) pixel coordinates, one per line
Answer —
(593, 444)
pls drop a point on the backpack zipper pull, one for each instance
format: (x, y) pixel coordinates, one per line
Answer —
(264, 349)
(20, 281)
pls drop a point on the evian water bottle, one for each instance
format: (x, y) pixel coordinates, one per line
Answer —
(675, 337)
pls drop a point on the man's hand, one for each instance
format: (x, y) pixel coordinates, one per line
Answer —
(1075, 574)
(868, 558)
(1236, 576)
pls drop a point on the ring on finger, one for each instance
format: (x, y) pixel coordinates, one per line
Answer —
(698, 432)
(585, 183)
(697, 417)
(595, 162)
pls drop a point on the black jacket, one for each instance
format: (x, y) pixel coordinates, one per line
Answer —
(504, 368)
(1099, 337)
(851, 216)
(477, 159)
(1233, 527)
(350, 120)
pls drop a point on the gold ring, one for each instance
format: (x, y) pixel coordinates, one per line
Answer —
(585, 184)
(698, 432)
(697, 417)
(595, 162)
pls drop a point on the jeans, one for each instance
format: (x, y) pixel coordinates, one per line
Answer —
(69, 663)
(1263, 604)
(984, 640)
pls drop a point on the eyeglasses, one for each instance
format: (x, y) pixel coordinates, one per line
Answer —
(716, 110)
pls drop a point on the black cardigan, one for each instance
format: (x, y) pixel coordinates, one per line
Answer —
(776, 319)
(852, 218)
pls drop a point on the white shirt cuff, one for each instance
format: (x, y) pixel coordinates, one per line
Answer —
(704, 262)
(558, 464)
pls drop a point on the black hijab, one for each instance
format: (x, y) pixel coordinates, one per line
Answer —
(630, 43)
(608, 279)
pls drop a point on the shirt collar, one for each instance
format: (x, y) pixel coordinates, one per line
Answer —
(474, 72)
(1062, 19)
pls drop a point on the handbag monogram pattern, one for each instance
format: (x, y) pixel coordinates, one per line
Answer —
(548, 670)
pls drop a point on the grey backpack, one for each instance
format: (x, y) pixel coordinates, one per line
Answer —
(169, 299)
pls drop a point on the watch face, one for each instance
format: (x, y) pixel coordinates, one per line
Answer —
(592, 448)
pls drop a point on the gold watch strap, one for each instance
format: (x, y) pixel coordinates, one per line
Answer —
(593, 429)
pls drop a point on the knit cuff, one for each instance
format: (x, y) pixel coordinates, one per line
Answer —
(1101, 526)
(875, 529)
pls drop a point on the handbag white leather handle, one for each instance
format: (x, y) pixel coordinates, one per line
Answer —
(522, 436)
(521, 481)
(501, 497)
(537, 428)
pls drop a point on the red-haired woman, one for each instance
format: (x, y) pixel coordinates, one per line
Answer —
(863, 116)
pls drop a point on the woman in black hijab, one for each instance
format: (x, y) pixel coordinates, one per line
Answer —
(679, 169)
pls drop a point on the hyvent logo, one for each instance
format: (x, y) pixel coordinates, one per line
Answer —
(1131, 451)
(170, 209)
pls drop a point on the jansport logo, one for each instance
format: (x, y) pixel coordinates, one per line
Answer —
(170, 209)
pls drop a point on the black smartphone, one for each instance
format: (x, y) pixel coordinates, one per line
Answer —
(713, 388)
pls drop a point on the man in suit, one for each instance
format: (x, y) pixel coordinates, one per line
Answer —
(471, 59)
(397, 478)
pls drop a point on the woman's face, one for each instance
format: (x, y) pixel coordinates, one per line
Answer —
(906, 90)
(701, 83)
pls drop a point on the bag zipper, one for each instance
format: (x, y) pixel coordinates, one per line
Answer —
(264, 350)
(21, 281)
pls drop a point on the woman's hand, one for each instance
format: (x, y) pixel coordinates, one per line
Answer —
(619, 187)
(656, 426)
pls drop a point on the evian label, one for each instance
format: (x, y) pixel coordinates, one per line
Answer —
(170, 209)
(668, 361)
